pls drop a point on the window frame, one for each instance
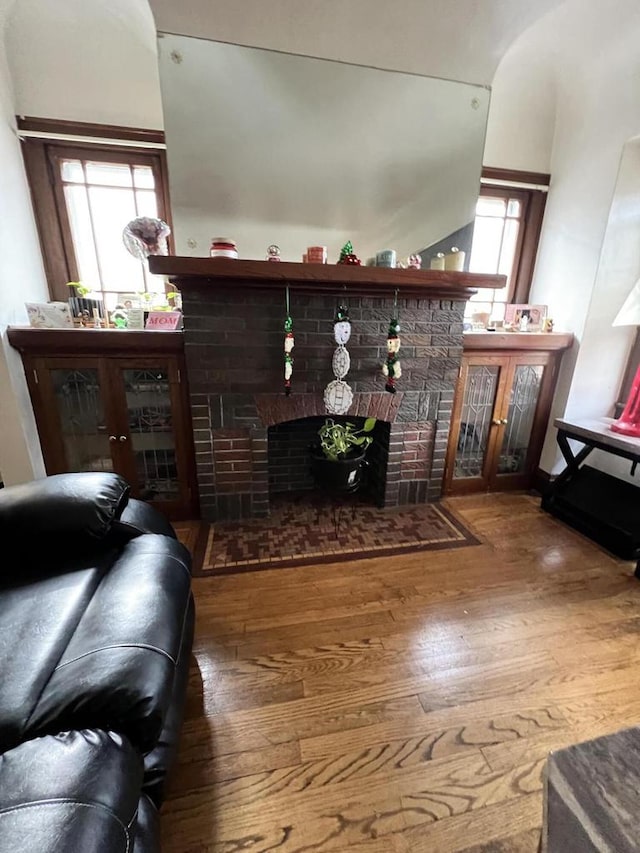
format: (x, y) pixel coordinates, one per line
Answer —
(510, 183)
(42, 156)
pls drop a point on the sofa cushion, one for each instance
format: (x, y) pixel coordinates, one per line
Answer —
(117, 670)
(61, 506)
(75, 791)
(38, 617)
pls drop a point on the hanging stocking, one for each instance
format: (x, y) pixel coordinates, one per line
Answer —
(391, 369)
(288, 347)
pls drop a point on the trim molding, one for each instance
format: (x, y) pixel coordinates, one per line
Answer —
(516, 176)
(49, 127)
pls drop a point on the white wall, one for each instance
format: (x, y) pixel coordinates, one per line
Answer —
(21, 279)
(584, 58)
(598, 111)
(85, 60)
(523, 107)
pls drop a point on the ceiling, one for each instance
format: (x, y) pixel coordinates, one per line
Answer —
(455, 39)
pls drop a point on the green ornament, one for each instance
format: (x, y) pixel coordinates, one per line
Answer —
(342, 314)
(288, 324)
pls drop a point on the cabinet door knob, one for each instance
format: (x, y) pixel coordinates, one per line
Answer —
(112, 438)
(504, 421)
(496, 421)
(123, 438)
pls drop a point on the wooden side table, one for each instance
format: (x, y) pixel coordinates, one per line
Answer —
(603, 507)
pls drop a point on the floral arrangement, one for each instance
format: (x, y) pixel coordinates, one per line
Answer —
(146, 236)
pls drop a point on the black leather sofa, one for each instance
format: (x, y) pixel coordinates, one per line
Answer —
(96, 629)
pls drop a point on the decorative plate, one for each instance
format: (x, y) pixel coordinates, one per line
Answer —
(342, 331)
(341, 362)
(338, 397)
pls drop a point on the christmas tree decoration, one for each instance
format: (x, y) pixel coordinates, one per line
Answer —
(288, 347)
(391, 369)
(338, 396)
(347, 255)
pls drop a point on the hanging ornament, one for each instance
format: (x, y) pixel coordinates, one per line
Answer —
(338, 396)
(391, 369)
(347, 255)
(288, 347)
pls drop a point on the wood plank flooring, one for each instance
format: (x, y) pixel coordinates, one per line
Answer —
(403, 704)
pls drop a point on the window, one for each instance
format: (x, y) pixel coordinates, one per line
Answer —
(505, 239)
(84, 195)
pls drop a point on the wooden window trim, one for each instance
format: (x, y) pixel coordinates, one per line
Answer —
(90, 130)
(516, 176)
(41, 158)
(534, 201)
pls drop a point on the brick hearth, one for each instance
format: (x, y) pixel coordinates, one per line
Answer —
(234, 359)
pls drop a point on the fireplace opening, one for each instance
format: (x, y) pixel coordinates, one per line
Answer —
(288, 457)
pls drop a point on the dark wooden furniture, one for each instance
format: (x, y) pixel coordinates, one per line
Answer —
(501, 409)
(603, 507)
(114, 401)
(591, 796)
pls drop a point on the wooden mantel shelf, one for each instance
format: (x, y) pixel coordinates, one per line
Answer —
(188, 272)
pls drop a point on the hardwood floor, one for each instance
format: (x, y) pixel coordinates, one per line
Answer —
(404, 704)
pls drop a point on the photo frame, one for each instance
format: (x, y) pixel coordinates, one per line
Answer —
(536, 313)
(49, 315)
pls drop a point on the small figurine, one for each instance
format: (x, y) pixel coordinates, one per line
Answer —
(415, 262)
(273, 253)
(119, 317)
(391, 369)
(347, 255)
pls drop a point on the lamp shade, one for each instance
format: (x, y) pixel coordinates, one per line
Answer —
(629, 314)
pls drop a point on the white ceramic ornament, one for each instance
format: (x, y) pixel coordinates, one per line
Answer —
(338, 397)
(341, 362)
(342, 331)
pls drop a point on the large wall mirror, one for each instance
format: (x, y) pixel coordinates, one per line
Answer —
(266, 147)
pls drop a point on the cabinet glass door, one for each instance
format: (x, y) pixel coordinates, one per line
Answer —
(474, 442)
(82, 434)
(151, 433)
(523, 401)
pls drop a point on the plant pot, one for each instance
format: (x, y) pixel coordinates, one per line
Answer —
(343, 475)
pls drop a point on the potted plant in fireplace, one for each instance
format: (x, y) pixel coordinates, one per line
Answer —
(338, 461)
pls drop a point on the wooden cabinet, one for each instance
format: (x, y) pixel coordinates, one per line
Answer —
(501, 411)
(114, 401)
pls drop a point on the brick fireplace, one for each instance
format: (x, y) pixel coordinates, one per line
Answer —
(233, 322)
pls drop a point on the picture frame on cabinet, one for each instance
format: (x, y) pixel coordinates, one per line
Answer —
(525, 317)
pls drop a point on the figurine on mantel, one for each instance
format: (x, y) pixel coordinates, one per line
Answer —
(415, 262)
(347, 255)
(273, 253)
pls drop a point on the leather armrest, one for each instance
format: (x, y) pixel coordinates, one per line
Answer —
(138, 518)
(62, 507)
(75, 792)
